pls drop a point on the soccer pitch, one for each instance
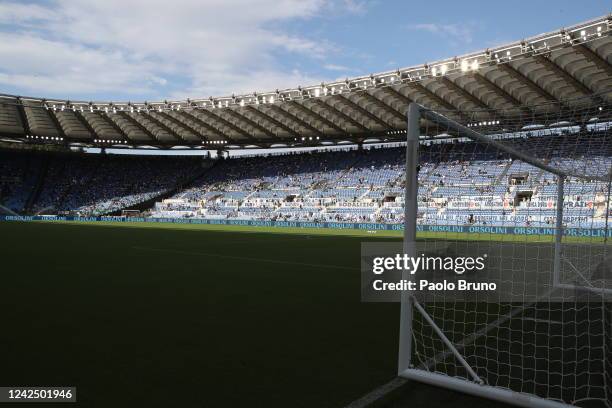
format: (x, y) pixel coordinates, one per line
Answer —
(183, 315)
(174, 317)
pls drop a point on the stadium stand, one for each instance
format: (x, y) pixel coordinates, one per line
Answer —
(367, 186)
(88, 184)
(344, 185)
(347, 185)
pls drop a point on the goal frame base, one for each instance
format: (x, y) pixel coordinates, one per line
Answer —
(484, 391)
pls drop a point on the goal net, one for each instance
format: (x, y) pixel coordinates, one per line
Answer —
(529, 190)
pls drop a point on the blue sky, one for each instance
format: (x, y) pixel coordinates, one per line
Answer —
(158, 49)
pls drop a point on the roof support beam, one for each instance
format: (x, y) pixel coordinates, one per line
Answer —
(250, 122)
(365, 112)
(453, 110)
(318, 117)
(595, 58)
(183, 125)
(23, 117)
(57, 123)
(552, 66)
(277, 108)
(483, 80)
(85, 122)
(432, 95)
(138, 125)
(164, 127)
(533, 86)
(322, 102)
(205, 125)
(465, 94)
(108, 120)
(379, 102)
(217, 117)
(394, 92)
(275, 122)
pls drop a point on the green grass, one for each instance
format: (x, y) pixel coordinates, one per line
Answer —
(190, 317)
(144, 314)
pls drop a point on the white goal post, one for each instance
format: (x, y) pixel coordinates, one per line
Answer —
(537, 353)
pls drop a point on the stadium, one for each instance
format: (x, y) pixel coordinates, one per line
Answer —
(240, 275)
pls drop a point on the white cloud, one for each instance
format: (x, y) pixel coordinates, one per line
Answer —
(335, 67)
(156, 48)
(458, 33)
(49, 66)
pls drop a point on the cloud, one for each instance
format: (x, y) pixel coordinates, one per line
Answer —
(456, 33)
(334, 67)
(155, 48)
(49, 66)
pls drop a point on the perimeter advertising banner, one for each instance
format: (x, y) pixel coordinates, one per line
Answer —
(478, 229)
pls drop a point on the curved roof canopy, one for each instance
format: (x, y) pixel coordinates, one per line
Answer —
(527, 80)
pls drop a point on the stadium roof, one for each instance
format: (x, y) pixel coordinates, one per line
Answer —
(532, 79)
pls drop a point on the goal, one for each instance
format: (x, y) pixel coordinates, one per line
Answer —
(530, 189)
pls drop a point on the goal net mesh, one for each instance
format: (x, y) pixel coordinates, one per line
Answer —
(488, 183)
